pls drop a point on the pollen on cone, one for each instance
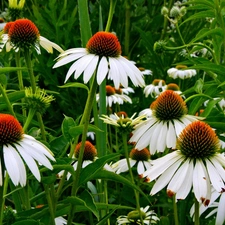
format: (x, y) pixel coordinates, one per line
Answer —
(90, 151)
(104, 44)
(10, 129)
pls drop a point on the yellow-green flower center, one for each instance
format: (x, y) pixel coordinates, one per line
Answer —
(104, 44)
(168, 106)
(10, 129)
(198, 140)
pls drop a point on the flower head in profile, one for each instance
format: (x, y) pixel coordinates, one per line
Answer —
(114, 96)
(155, 89)
(197, 164)
(103, 55)
(181, 71)
(19, 149)
(122, 121)
(139, 159)
(15, 9)
(134, 217)
(23, 34)
(161, 129)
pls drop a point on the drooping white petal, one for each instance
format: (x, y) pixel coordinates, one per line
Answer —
(14, 166)
(47, 45)
(1, 173)
(214, 176)
(220, 217)
(166, 176)
(199, 181)
(171, 136)
(184, 190)
(162, 164)
(140, 167)
(161, 144)
(103, 69)
(29, 161)
(178, 179)
(179, 126)
(218, 167)
(89, 71)
(154, 141)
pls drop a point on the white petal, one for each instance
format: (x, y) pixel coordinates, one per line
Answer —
(103, 69)
(161, 144)
(171, 136)
(140, 167)
(29, 161)
(166, 176)
(89, 70)
(187, 183)
(14, 166)
(155, 141)
(220, 217)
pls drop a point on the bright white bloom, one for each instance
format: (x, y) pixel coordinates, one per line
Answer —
(127, 90)
(147, 112)
(181, 72)
(139, 159)
(155, 89)
(196, 164)
(19, 148)
(103, 56)
(133, 217)
(160, 131)
(23, 34)
(113, 97)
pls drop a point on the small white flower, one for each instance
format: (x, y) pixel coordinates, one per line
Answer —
(155, 89)
(181, 72)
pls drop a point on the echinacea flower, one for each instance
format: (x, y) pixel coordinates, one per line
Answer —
(114, 96)
(197, 163)
(103, 55)
(139, 159)
(19, 149)
(155, 88)
(23, 34)
(169, 118)
(134, 217)
(181, 71)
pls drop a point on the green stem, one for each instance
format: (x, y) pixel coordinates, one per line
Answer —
(196, 212)
(85, 122)
(30, 116)
(124, 137)
(127, 27)
(110, 16)
(9, 106)
(176, 221)
(50, 204)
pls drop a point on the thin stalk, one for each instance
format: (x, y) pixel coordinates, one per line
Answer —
(30, 116)
(127, 27)
(176, 221)
(196, 212)
(124, 137)
(85, 122)
(9, 106)
(110, 16)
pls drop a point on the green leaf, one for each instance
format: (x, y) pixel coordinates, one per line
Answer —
(206, 32)
(200, 15)
(77, 130)
(210, 105)
(67, 123)
(74, 84)
(26, 222)
(78, 201)
(217, 125)
(103, 221)
(11, 69)
(89, 171)
(199, 86)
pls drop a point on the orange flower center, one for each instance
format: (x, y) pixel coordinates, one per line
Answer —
(7, 27)
(198, 140)
(104, 44)
(142, 155)
(168, 106)
(23, 33)
(90, 151)
(173, 87)
(10, 129)
(110, 90)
